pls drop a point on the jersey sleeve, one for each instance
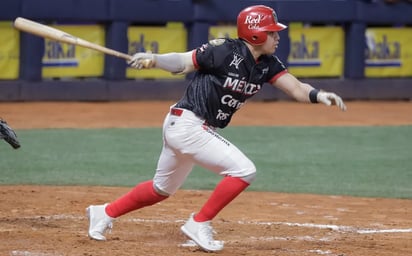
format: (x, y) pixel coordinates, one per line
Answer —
(210, 55)
(277, 69)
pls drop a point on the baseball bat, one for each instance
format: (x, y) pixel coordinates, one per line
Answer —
(45, 31)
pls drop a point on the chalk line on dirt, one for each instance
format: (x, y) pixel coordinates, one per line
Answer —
(338, 228)
(28, 253)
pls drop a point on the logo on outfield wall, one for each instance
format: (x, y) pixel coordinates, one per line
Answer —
(304, 53)
(381, 51)
(316, 51)
(156, 39)
(58, 54)
(143, 45)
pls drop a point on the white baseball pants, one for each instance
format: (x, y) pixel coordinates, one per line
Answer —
(187, 141)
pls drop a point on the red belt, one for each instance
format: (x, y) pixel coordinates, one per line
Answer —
(176, 111)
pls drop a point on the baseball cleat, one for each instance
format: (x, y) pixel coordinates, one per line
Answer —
(202, 234)
(99, 221)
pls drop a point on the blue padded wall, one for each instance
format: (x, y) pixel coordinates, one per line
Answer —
(224, 11)
(316, 11)
(31, 54)
(10, 9)
(380, 12)
(79, 10)
(116, 38)
(297, 10)
(151, 11)
(354, 53)
(198, 15)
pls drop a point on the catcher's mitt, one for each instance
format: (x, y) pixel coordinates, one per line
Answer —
(8, 134)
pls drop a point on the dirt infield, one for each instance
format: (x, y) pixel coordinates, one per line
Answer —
(50, 221)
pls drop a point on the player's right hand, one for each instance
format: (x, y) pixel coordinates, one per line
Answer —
(142, 60)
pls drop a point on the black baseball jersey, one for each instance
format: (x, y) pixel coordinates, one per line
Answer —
(227, 75)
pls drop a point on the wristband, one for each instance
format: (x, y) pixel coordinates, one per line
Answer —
(313, 95)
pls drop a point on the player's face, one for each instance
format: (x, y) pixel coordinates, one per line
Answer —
(272, 42)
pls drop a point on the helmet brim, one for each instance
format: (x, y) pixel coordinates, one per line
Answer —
(275, 27)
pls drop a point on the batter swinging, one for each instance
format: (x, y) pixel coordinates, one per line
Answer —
(228, 72)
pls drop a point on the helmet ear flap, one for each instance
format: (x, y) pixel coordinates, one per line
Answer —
(259, 38)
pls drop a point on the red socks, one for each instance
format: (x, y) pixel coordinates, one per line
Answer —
(227, 190)
(144, 195)
(140, 196)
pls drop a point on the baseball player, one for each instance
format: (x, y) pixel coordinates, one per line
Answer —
(227, 73)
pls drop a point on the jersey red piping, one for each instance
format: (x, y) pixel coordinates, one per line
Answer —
(274, 78)
(194, 60)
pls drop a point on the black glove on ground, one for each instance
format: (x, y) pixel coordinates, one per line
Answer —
(7, 133)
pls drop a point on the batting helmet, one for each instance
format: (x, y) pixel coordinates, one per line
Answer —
(253, 22)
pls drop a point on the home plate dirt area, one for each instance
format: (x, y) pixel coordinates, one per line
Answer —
(51, 221)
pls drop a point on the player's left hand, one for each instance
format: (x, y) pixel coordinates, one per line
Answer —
(142, 60)
(330, 98)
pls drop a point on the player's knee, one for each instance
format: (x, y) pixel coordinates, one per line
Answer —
(249, 178)
(249, 173)
(160, 191)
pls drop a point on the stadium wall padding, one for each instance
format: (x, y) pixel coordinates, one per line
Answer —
(104, 90)
(117, 15)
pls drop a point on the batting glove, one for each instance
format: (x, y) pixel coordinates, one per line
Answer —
(330, 98)
(142, 60)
